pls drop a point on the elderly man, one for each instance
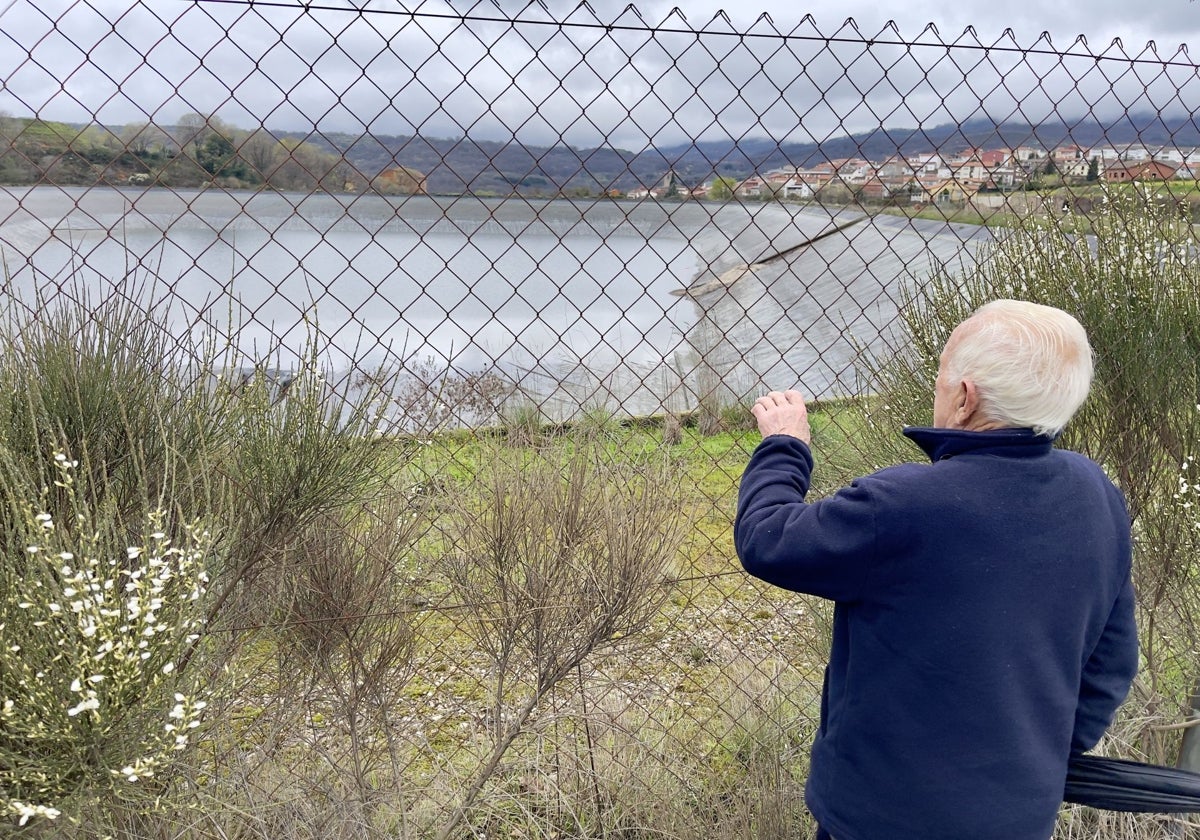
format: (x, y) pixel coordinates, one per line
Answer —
(983, 622)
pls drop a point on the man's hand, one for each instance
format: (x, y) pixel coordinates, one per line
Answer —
(782, 413)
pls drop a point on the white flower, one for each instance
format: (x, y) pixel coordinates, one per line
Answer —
(87, 705)
(27, 811)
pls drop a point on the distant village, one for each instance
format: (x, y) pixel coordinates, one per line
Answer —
(944, 178)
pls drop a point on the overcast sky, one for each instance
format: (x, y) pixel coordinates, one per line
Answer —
(387, 71)
(1169, 22)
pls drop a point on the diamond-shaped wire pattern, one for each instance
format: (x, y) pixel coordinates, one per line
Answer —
(535, 222)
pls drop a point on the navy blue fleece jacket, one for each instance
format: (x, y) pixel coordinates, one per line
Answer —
(983, 627)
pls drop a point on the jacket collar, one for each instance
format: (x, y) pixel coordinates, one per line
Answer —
(946, 443)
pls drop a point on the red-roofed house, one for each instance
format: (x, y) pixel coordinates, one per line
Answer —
(992, 158)
(1149, 170)
(752, 187)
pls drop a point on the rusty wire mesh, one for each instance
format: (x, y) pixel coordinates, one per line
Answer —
(539, 219)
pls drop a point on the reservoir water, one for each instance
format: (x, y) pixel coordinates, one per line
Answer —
(466, 280)
(574, 299)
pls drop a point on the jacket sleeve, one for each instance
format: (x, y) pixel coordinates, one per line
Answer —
(1108, 673)
(824, 548)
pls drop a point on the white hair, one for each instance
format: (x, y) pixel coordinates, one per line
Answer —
(1031, 364)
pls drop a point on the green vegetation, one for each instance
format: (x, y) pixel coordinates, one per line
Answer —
(1177, 187)
(90, 638)
(317, 599)
(956, 214)
(200, 150)
(172, 509)
(722, 188)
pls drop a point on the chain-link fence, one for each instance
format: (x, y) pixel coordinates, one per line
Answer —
(523, 227)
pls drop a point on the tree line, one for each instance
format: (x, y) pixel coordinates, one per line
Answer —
(197, 150)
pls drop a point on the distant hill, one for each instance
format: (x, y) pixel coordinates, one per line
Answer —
(66, 154)
(459, 165)
(1150, 130)
(456, 165)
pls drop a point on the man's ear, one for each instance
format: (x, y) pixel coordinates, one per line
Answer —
(966, 403)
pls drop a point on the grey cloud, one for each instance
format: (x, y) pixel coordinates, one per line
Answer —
(582, 85)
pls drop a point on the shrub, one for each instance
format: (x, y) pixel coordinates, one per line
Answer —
(672, 429)
(148, 441)
(425, 396)
(108, 383)
(106, 430)
(523, 423)
(597, 421)
(94, 700)
(557, 556)
(297, 462)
